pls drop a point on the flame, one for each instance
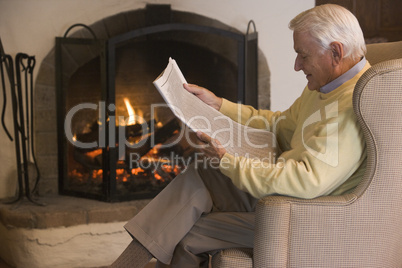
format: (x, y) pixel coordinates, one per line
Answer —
(136, 171)
(176, 170)
(133, 118)
(94, 153)
(157, 176)
(167, 168)
(131, 113)
(154, 150)
(140, 117)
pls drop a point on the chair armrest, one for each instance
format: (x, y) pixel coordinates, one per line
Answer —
(322, 200)
(273, 225)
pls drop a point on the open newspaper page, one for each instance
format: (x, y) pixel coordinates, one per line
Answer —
(237, 139)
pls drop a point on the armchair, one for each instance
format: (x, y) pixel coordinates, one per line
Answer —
(361, 229)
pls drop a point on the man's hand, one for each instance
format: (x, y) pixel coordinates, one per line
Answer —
(205, 95)
(211, 148)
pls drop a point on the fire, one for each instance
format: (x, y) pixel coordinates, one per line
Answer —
(154, 150)
(133, 118)
(131, 113)
(120, 171)
(94, 153)
(155, 168)
(97, 174)
(157, 176)
(167, 168)
(136, 171)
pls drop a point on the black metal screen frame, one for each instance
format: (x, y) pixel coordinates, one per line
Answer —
(247, 90)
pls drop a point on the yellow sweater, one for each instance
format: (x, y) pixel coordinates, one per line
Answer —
(324, 152)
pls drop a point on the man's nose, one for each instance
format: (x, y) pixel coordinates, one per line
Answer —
(298, 65)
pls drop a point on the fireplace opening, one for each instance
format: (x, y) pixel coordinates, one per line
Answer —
(117, 138)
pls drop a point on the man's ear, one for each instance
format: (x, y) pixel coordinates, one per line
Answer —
(337, 52)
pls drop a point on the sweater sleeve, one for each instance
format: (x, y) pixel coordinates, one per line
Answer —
(265, 119)
(322, 158)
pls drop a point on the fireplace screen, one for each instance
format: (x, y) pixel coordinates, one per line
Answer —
(117, 138)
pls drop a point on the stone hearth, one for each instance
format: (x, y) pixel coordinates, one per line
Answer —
(65, 211)
(67, 232)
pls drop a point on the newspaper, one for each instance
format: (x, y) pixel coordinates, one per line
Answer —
(237, 139)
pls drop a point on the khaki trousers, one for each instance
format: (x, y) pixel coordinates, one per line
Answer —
(199, 211)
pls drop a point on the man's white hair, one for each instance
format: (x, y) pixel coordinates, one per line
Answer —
(330, 23)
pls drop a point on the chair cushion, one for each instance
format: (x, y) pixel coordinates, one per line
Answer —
(234, 257)
(384, 51)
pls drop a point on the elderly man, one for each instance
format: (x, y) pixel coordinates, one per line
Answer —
(204, 210)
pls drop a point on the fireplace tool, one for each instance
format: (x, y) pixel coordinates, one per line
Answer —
(21, 92)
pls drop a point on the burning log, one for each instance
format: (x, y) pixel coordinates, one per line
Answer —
(160, 135)
(92, 158)
(135, 130)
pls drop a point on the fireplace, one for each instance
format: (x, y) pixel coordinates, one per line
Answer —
(117, 139)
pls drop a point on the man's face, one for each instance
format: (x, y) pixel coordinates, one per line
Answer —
(315, 62)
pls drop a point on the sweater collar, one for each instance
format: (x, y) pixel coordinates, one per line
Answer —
(344, 77)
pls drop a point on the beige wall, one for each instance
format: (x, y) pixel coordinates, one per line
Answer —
(30, 26)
